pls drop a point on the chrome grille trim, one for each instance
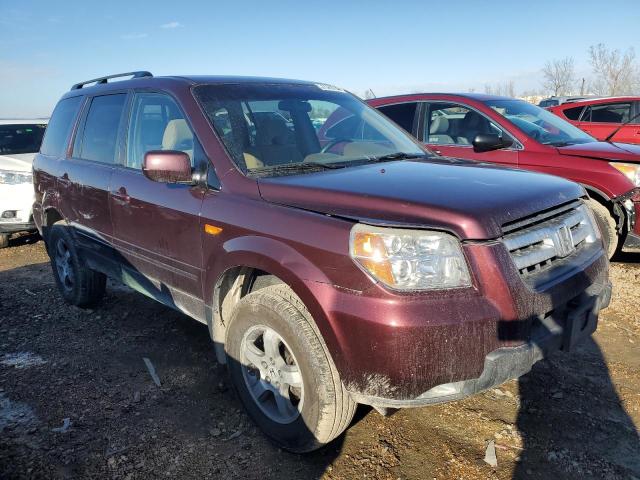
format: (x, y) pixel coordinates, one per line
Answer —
(537, 247)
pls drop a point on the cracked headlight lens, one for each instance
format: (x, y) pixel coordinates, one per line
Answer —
(9, 177)
(629, 170)
(406, 259)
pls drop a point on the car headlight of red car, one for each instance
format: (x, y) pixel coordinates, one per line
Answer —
(629, 170)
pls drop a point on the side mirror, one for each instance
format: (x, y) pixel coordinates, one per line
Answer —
(167, 166)
(486, 142)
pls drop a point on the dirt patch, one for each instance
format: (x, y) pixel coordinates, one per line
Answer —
(574, 416)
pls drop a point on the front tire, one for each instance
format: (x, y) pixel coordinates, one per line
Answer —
(78, 284)
(282, 371)
(607, 225)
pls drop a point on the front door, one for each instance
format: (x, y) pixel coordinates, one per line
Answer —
(449, 130)
(156, 225)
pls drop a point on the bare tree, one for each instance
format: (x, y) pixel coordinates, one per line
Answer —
(559, 76)
(506, 89)
(509, 88)
(615, 72)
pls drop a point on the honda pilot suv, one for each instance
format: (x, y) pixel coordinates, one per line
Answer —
(331, 270)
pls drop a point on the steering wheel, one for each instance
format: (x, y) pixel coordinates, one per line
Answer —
(333, 143)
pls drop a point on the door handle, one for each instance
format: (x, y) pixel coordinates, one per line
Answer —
(64, 179)
(121, 195)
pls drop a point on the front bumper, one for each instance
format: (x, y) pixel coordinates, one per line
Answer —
(18, 201)
(7, 228)
(401, 350)
(561, 331)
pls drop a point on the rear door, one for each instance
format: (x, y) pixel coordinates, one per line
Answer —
(600, 120)
(449, 128)
(156, 225)
(84, 178)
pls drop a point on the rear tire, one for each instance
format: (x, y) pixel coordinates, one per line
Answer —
(78, 284)
(4, 240)
(607, 225)
(316, 408)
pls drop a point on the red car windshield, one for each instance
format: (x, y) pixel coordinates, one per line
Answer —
(539, 124)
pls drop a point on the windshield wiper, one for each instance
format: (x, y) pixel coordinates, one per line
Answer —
(294, 167)
(395, 156)
(610, 136)
(560, 144)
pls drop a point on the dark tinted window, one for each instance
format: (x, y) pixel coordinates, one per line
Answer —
(21, 138)
(608, 113)
(548, 103)
(59, 127)
(573, 113)
(403, 114)
(100, 133)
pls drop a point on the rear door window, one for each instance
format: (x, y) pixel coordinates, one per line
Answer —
(608, 113)
(403, 114)
(60, 125)
(99, 137)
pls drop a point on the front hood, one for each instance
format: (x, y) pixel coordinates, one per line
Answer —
(470, 199)
(603, 150)
(20, 162)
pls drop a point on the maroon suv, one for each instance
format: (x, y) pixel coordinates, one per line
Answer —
(331, 269)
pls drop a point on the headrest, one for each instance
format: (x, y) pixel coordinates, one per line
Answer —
(272, 130)
(439, 125)
(177, 135)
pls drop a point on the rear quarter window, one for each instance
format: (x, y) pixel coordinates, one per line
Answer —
(573, 113)
(60, 125)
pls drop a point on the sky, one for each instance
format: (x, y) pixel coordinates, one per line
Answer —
(389, 47)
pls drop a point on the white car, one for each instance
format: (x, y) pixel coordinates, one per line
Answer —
(19, 142)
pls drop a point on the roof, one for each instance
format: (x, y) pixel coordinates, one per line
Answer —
(479, 97)
(144, 77)
(22, 121)
(596, 100)
(222, 79)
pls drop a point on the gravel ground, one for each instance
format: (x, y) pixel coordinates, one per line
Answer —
(76, 400)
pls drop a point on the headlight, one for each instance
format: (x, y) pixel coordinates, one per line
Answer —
(629, 170)
(15, 178)
(409, 259)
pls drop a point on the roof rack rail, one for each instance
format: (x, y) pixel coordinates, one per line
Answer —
(102, 80)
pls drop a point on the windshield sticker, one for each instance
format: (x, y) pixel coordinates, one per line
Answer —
(329, 88)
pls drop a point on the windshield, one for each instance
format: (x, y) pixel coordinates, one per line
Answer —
(271, 129)
(539, 124)
(21, 138)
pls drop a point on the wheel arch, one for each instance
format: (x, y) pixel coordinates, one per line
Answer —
(248, 268)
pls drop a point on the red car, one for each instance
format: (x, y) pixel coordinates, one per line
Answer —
(607, 119)
(513, 132)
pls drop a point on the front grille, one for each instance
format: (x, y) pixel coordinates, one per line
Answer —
(537, 244)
